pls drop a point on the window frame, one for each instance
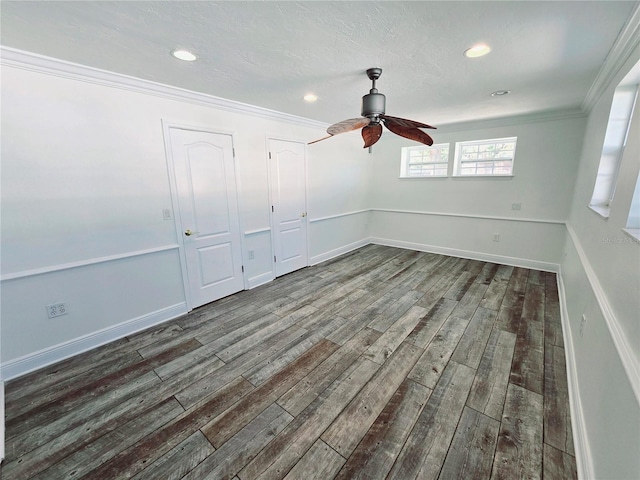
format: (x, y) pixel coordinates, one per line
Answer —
(457, 164)
(406, 155)
(604, 187)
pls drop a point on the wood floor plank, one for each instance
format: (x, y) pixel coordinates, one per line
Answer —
(433, 361)
(247, 343)
(393, 312)
(492, 378)
(117, 382)
(225, 462)
(84, 460)
(552, 320)
(31, 439)
(460, 286)
(527, 368)
(558, 465)
(131, 461)
(428, 326)
(74, 440)
(319, 463)
(470, 301)
(471, 451)
(270, 365)
(310, 376)
(347, 430)
(557, 416)
(279, 456)
(519, 448)
(53, 392)
(487, 273)
(474, 340)
(426, 448)
(494, 295)
(533, 307)
(395, 335)
(376, 453)
(227, 424)
(301, 395)
(179, 460)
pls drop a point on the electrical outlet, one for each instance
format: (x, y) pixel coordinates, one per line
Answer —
(496, 237)
(57, 310)
(166, 214)
(582, 324)
(251, 255)
(516, 206)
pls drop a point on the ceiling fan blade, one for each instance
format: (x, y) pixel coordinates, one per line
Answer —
(411, 133)
(318, 140)
(403, 122)
(348, 125)
(371, 134)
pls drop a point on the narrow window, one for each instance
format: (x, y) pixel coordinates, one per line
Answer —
(424, 161)
(615, 139)
(492, 157)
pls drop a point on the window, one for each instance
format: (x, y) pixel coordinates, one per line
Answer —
(485, 157)
(615, 139)
(633, 220)
(425, 161)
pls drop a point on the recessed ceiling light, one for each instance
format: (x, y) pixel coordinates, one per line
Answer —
(500, 93)
(310, 97)
(185, 55)
(477, 51)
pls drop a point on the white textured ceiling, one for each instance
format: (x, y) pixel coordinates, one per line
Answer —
(271, 53)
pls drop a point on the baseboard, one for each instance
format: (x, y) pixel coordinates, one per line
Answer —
(483, 257)
(34, 361)
(1, 420)
(336, 252)
(261, 279)
(584, 462)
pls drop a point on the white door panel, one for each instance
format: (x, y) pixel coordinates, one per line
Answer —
(208, 208)
(289, 205)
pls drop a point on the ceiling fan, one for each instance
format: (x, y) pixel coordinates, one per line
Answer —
(373, 116)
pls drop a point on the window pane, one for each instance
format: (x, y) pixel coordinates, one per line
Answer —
(425, 161)
(485, 157)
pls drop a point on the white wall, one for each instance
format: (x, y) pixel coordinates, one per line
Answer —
(601, 277)
(84, 183)
(460, 216)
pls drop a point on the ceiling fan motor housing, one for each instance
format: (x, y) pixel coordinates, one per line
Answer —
(373, 104)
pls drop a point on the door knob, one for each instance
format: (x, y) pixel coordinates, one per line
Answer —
(188, 233)
(303, 214)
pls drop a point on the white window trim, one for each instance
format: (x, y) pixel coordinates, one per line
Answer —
(458, 153)
(598, 204)
(404, 161)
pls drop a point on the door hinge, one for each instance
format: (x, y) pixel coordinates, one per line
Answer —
(234, 152)
(272, 210)
(269, 155)
(274, 258)
(242, 268)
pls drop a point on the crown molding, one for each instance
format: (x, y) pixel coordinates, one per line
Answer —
(52, 66)
(624, 46)
(536, 117)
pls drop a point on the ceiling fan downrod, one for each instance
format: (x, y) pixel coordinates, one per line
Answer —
(373, 104)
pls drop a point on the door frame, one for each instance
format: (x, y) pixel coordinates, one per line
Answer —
(175, 211)
(269, 137)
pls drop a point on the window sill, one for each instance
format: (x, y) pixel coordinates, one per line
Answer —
(633, 233)
(483, 176)
(426, 177)
(601, 210)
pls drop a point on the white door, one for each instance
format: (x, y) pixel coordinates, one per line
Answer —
(288, 205)
(208, 213)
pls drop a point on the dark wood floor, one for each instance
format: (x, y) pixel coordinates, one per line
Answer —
(383, 363)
